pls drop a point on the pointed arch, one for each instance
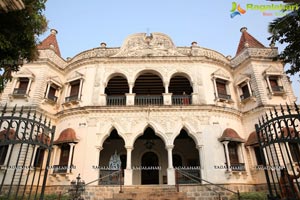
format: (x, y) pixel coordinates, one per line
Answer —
(108, 131)
(189, 131)
(155, 128)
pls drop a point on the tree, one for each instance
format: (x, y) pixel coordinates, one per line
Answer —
(18, 37)
(286, 30)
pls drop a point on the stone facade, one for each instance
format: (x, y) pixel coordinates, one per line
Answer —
(227, 94)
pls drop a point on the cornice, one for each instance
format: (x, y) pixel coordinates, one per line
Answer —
(254, 53)
(91, 110)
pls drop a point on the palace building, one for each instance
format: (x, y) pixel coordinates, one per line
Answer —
(151, 107)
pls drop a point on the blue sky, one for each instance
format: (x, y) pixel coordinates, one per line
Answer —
(83, 25)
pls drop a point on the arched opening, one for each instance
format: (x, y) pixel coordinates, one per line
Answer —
(115, 90)
(149, 159)
(113, 153)
(181, 89)
(189, 157)
(148, 88)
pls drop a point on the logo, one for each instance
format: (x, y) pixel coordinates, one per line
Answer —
(266, 10)
(236, 10)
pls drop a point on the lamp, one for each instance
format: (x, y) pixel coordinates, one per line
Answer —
(149, 144)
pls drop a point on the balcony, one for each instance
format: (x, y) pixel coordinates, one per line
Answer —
(277, 89)
(20, 92)
(245, 96)
(72, 98)
(116, 100)
(60, 169)
(144, 100)
(237, 167)
(181, 99)
(52, 98)
(224, 96)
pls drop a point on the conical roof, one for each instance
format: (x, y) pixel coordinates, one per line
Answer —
(50, 43)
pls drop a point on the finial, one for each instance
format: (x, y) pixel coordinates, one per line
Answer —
(243, 29)
(53, 31)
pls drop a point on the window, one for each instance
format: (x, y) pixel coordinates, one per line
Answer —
(233, 153)
(295, 152)
(233, 156)
(3, 152)
(52, 92)
(245, 91)
(74, 90)
(259, 160)
(275, 85)
(221, 86)
(39, 157)
(22, 87)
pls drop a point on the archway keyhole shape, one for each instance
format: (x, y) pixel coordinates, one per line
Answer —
(117, 86)
(180, 85)
(148, 84)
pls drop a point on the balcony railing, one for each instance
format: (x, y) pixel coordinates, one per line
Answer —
(60, 169)
(116, 100)
(52, 98)
(18, 91)
(245, 96)
(237, 167)
(277, 89)
(181, 99)
(142, 100)
(224, 96)
(72, 98)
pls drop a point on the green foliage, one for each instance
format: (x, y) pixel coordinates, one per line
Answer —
(18, 37)
(286, 30)
(251, 196)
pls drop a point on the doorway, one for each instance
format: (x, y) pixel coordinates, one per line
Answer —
(150, 171)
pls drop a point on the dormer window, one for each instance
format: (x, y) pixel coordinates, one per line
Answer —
(275, 84)
(52, 92)
(74, 93)
(22, 86)
(275, 87)
(244, 90)
(222, 90)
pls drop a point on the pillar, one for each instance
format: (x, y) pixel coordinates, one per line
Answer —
(70, 157)
(131, 85)
(170, 170)
(201, 160)
(128, 171)
(225, 143)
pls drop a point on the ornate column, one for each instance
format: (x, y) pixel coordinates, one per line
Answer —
(55, 150)
(201, 161)
(166, 85)
(70, 157)
(170, 170)
(131, 85)
(225, 143)
(99, 148)
(128, 171)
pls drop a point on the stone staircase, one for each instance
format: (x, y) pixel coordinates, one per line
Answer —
(150, 193)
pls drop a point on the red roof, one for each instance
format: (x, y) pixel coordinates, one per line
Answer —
(66, 136)
(248, 40)
(50, 43)
(252, 139)
(230, 135)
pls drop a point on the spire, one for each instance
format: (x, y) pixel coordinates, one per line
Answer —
(248, 40)
(50, 42)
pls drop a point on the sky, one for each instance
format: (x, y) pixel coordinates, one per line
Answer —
(83, 25)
